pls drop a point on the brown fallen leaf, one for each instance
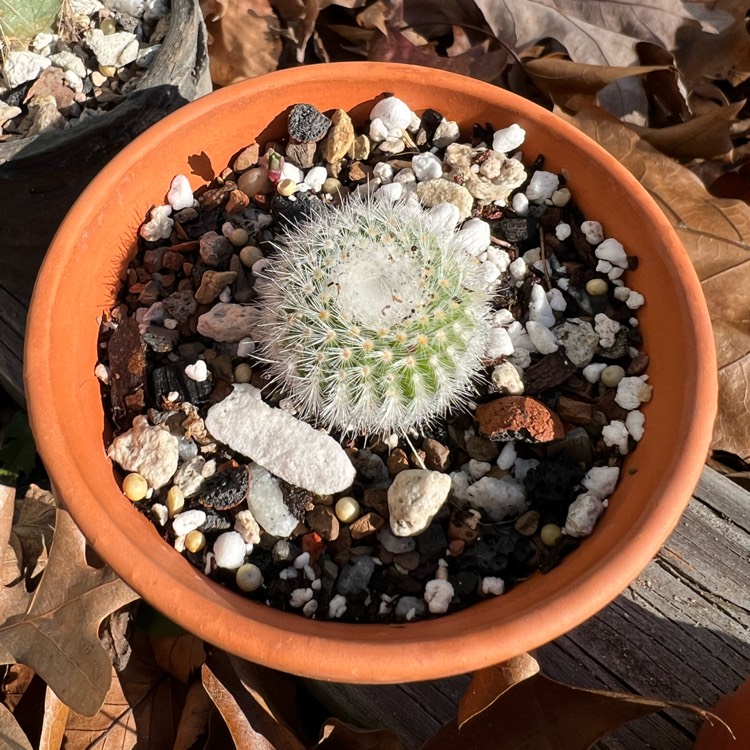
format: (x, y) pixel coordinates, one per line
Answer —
(242, 42)
(477, 62)
(194, 717)
(18, 677)
(55, 629)
(715, 232)
(250, 721)
(543, 714)
(53, 722)
(33, 527)
(666, 103)
(12, 737)
(336, 735)
(487, 685)
(599, 33)
(180, 655)
(560, 77)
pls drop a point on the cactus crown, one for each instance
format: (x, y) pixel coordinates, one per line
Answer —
(372, 319)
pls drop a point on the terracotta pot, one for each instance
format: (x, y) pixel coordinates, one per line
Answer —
(734, 709)
(88, 257)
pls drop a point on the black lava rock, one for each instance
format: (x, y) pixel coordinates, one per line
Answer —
(225, 489)
(306, 123)
(170, 378)
(287, 212)
(550, 488)
(215, 522)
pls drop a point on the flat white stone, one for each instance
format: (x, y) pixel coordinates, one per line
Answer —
(539, 307)
(499, 344)
(287, 447)
(414, 498)
(69, 61)
(473, 237)
(116, 50)
(180, 193)
(184, 523)
(150, 451)
(541, 337)
(266, 503)
(499, 498)
(23, 66)
(508, 139)
(7, 112)
(583, 514)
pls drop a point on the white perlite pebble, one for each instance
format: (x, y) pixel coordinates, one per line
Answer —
(523, 466)
(299, 597)
(197, 371)
(507, 456)
(593, 232)
(499, 498)
(561, 197)
(115, 50)
(473, 237)
(160, 513)
(477, 469)
(227, 322)
(508, 139)
(492, 586)
(632, 392)
(438, 594)
(291, 172)
(541, 186)
(287, 447)
(621, 293)
(541, 337)
(490, 273)
(518, 270)
(159, 226)
(519, 337)
(23, 66)
(606, 329)
(337, 606)
(390, 192)
(392, 112)
(301, 560)
(229, 550)
(446, 133)
(634, 300)
(539, 307)
(184, 523)
(562, 231)
(556, 300)
(499, 258)
(247, 527)
(583, 514)
(601, 481)
(426, 166)
(414, 498)
(266, 502)
(383, 171)
(460, 482)
(604, 266)
(378, 131)
(612, 251)
(180, 193)
(499, 344)
(634, 422)
(593, 372)
(520, 204)
(616, 434)
(315, 178)
(507, 380)
(70, 62)
(149, 451)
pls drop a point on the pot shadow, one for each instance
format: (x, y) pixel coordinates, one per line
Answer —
(630, 647)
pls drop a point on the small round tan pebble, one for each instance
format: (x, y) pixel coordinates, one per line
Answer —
(195, 541)
(243, 373)
(135, 487)
(249, 577)
(286, 187)
(254, 181)
(596, 287)
(331, 186)
(250, 255)
(550, 534)
(612, 375)
(238, 236)
(108, 71)
(347, 509)
(175, 501)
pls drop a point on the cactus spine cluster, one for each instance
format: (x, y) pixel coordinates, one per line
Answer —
(372, 319)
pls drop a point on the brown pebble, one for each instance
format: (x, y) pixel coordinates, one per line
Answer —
(573, 411)
(638, 365)
(366, 525)
(359, 172)
(215, 249)
(173, 261)
(519, 418)
(237, 202)
(322, 520)
(456, 547)
(407, 560)
(481, 448)
(527, 524)
(340, 137)
(397, 462)
(342, 542)
(377, 499)
(436, 456)
(212, 285)
(247, 158)
(302, 155)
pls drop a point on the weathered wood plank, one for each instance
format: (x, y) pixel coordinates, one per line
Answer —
(12, 328)
(726, 497)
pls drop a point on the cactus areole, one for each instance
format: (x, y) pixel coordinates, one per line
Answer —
(372, 318)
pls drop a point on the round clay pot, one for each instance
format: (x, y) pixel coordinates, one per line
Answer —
(734, 709)
(79, 281)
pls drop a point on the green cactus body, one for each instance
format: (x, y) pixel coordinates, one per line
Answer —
(372, 319)
(21, 20)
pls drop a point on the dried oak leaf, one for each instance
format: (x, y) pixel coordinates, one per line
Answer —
(12, 736)
(54, 630)
(243, 40)
(602, 33)
(33, 527)
(336, 735)
(179, 655)
(54, 721)
(715, 232)
(194, 717)
(543, 714)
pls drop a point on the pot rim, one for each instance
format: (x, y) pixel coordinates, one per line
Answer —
(365, 653)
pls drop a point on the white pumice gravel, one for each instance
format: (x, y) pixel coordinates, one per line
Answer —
(583, 514)
(438, 594)
(184, 523)
(508, 139)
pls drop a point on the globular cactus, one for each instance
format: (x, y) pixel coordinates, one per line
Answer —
(21, 20)
(372, 319)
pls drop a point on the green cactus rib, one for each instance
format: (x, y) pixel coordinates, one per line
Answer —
(372, 319)
(21, 20)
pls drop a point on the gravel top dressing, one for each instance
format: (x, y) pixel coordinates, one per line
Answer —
(374, 375)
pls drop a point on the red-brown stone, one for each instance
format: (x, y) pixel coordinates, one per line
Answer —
(519, 418)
